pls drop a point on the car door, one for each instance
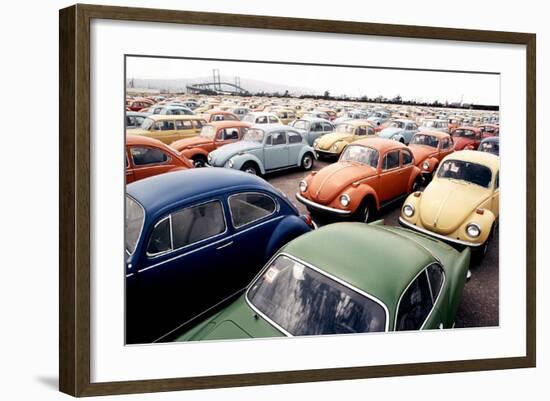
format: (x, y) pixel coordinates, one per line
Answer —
(407, 168)
(185, 252)
(254, 217)
(445, 147)
(390, 176)
(276, 151)
(295, 146)
(129, 168)
(148, 161)
(495, 199)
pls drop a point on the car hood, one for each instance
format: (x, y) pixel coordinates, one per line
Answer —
(388, 132)
(238, 320)
(327, 140)
(221, 155)
(422, 152)
(461, 142)
(330, 181)
(181, 144)
(445, 204)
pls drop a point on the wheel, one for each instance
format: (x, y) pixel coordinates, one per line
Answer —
(250, 168)
(366, 210)
(417, 184)
(199, 161)
(307, 161)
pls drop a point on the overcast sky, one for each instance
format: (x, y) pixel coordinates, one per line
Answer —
(410, 85)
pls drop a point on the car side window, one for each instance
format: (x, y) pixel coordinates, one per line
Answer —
(327, 127)
(415, 304)
(198, 123)
(183, 124)
(197, 223)
(143, 156)
(249, 207)
(261, 120)
(435, 277)
(406, 157)
(391, 160)
(160, 240)
(273, 120)
(445, 143)
(278, 138)
(362, 130)
(316, 127)
(294, 137)
(497, 180)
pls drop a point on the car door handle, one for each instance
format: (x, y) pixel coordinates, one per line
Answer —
(225, 245)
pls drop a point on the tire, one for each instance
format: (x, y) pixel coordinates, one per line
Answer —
(251, 168)
(416, 184)
(307, 161)
(366, 211)
(199, 161)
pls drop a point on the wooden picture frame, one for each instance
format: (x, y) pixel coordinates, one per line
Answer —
(75, 207)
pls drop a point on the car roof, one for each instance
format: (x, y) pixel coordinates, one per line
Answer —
(314, 119)
(143, 140)
(465, 127)
(268, 128)
(355, 122)
(160, 117)
(381, 144)
(364, 256)
(182, 187)
(438, 134)
(486, 159)
(491, 139)
(229, 123)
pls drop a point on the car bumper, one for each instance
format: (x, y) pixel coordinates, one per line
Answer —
(443, 238)
(322, 208)
(325, 153)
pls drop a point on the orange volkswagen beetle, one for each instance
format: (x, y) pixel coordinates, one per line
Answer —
(146, 157)
(370, 173)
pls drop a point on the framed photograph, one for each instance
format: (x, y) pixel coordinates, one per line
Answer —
(250, 200)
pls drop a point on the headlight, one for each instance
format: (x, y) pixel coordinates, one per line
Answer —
(209, 158)
(335, 146)
(426, 165)
(473, 230)
(316, 143)
(303, 186)
(408, 210)
(344, 200)
(230, 163)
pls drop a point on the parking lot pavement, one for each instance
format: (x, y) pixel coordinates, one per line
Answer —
(480, 300)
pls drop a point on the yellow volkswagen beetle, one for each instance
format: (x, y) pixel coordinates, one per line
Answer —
(331, 145)
(461, 204)
(170, 128)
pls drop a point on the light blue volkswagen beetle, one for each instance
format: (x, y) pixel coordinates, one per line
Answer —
(399, 130)
(265, 148)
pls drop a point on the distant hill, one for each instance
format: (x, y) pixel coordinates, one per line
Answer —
(251, 85)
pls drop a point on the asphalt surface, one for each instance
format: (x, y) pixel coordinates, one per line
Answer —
(480, 299)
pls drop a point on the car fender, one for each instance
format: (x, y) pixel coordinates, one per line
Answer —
(240, 160)
(359, 192)
(434, 161)
(190, 153)
(289, 227)
(399, 138)
(456, 280)
(303, 151)
(484, 221)
(414, 175)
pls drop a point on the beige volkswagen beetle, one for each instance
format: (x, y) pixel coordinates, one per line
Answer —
(461, 204)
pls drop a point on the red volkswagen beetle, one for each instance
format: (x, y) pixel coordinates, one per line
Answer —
(146, 157)
(466, 138)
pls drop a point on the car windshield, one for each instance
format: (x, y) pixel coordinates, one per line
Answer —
(344, 128)
(397, 124)
(422, 139)
(301, 124)
(208, 131)
(147, 124)
(135, 217)
(430, 124)
(464, 133)
(466, 171)
(303, 301)
(360, 154)
(249, 118)
(254, 135)
(490, 147)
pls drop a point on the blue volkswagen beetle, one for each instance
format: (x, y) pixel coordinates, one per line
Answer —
(193, 239)
(265, 148)
(490, 144)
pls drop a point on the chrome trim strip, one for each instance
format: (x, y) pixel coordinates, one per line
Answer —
(338, 280)
(321, 207)
(435, 235)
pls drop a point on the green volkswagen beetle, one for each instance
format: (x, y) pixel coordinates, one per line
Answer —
(346, 278)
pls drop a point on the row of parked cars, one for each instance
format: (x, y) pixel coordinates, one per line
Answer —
(216, 253)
